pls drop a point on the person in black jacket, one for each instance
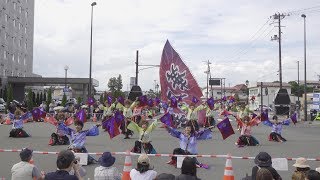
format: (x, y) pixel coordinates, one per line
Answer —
(263, 160)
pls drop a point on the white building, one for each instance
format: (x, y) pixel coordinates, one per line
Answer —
(217, 92)
(269, 92)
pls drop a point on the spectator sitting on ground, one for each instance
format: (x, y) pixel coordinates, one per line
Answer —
(313, 175)
(188, 170)
(301, 169)
(25, 170)
(165, 176)
(105, 170)
(264, 174)
(66, 161)
(143, 170)
(263, 160)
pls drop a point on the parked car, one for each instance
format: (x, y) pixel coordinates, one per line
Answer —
(265, 107)
(2, 108)
(3, 102)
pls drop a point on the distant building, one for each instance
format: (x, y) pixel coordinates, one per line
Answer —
(217, 92)
(269, 92)
(16, 38)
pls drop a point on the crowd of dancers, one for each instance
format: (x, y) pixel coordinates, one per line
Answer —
(143, 115)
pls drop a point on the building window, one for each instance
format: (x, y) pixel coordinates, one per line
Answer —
(4, 72)
(12, 57)
(13, 40)
(18, 59)
(5, 54)
(14, 22)
(24, 61)
(14, 5)
(6, 17)
(25, 30)
(20, 9)
(6, 36)
(26, 14)
(19, 26)
(25, 45)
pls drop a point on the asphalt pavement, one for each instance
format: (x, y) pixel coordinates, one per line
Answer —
(303, 141)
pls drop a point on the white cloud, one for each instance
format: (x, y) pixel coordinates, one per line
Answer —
(199, 31)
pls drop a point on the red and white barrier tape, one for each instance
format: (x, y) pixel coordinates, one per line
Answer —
(158, 155)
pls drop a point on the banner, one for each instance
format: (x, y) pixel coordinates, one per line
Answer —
(176, 78)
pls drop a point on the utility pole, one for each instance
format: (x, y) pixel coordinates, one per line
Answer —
(278, 38)
(207, 72)
(137, 65)
(261, 95)
(298, 83)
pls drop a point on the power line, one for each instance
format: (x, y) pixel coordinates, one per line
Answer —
(251, 39)
(299, 11)
(252, 45)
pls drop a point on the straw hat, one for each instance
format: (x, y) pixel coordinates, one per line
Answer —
(301, 163)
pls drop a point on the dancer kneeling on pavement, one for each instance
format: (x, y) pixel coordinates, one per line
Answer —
(276, 125)
(246, 139)
(78, 138)
(60, 137)
(17, 124)
(144, 142)
(188, 142)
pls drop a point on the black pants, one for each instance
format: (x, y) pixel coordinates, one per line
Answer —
(18, 133)
(59, 140)
(276, 137)
(148, 148)
(124, 129)
(182, 152)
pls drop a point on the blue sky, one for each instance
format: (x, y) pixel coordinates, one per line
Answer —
(218, 31)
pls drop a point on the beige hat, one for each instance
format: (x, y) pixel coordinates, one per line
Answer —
(301, 163)
(143, 159)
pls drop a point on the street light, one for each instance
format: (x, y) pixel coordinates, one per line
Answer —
(305, 67)
(247, 91)
(65, 77)
(90, 81)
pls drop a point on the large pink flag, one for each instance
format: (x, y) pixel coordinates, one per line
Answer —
(176, 78)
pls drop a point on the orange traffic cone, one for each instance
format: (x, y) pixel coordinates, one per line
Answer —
(127, 167)
(94, 119)
(228, 171)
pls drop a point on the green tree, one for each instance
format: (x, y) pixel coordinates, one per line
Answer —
(115, 86)
(79, 100)
(34, 98)
(101, 98)
(119, 83)
(64, 100)
(49, 99)
(41, 97)
(9, 94)
(29, 99)
(45, 96)
(38, 99)
(299, 90)
(5, 94)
